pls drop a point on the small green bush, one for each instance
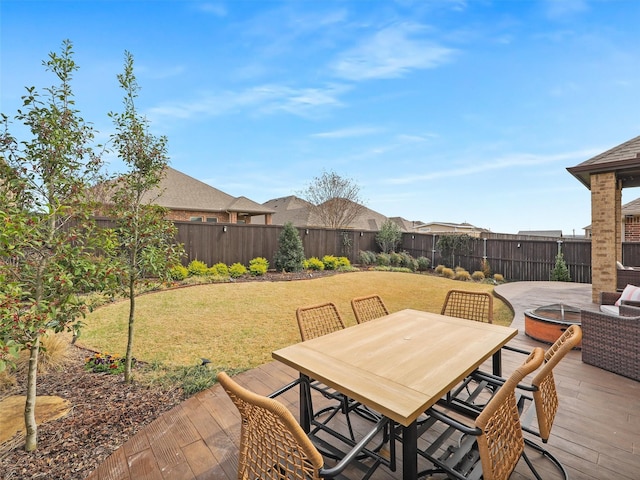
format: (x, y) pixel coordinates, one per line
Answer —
(367, 257)
(237, 270)
(408, 262)
(439, 269)
(448, 273)
(178, 272)
(343, 263)
(395, 259)
(313, 263)
(462, 275)
(258, 266)
(331, 262)
(423, 264)
(197, 267)
(498, 277)
(478, 276)
(219, 269)
(383, 259)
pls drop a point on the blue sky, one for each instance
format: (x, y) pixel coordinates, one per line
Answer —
(440, 110)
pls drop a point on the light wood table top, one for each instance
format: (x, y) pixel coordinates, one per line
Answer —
(400, 364)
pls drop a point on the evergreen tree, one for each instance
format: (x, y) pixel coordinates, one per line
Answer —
(290, 254)
(560, 272)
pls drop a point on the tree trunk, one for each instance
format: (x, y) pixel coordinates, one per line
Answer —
(31, 440)
(128, 376)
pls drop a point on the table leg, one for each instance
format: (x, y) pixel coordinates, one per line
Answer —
(305, 402)
(410, 452)
(497, 363)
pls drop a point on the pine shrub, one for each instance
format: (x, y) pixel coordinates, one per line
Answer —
(290, 254)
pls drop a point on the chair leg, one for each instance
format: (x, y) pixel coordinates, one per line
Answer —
(547, 455)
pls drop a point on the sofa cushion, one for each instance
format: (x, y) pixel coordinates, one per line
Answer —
(610, 309)
(630, 293)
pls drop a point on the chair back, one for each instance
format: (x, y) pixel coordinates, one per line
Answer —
(476, 306)
(317, 320)
(368, 307)
(272, 444)
(501, 442)
(545, 396)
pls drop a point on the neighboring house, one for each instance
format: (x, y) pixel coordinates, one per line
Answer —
(300, 213)
(191, 200)
(630, 222)
(541, 233)
(438, 228)
(407, 225)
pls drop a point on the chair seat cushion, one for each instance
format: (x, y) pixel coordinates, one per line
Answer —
(610, 309)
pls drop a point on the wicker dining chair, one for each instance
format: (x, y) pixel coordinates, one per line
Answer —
(318, 320)
(368, 307)
(273, 446)
(541, 393)
(492, 447)
(476, 306)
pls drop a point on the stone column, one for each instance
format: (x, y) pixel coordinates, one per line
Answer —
(606, 224)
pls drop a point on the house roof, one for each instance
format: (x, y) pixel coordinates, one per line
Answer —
(624, 160)
(460, 226)
(300, 213)
(179, 191)
(541, 233)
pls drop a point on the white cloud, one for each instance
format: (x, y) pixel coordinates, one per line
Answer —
(217, 9)
(514, 160)
(558, 9)
(391, 53)
(348, 132)
(264, 99)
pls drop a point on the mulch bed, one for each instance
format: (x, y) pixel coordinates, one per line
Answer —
(106, 412)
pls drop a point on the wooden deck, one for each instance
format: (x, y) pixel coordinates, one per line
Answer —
(596, 433)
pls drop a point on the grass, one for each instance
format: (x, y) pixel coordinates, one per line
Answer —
(238, 325)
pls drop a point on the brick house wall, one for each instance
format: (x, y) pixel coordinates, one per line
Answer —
(632, 229)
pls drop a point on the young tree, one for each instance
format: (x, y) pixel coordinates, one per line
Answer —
(389, 236)
(145, 239)
(48, 241)
(336, 201)
(290, 254)
(560, 272)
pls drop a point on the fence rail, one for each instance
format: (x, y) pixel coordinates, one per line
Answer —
(517, 259)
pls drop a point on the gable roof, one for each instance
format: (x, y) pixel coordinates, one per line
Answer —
(624, 160)
(300, 213)
(178, 191)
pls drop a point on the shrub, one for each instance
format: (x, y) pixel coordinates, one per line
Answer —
(7, 381)
(448, 273)
(331, 262)
(258, 266)
(478, 276)
(407, 261)
(389, 236)
(395, 259)
(197, 268)
(560, 272)
(290, 254)
(367, 257)
(55, 354)
(179, 272)
(313, 263)
(498, 277)
(237, 270)
(219, 269)
(459, 269)
(439, 269)
(423, 264)
(485, 267)
(383, 259)
(462, 275)
(343, 263)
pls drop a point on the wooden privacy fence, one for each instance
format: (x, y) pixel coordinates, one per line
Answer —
(514, 258)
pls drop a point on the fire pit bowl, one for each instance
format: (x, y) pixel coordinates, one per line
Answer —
(547, 323)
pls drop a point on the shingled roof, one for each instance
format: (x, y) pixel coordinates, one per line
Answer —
(624, 160)
(179, 191)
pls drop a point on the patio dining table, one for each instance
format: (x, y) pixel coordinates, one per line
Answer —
(399, 365)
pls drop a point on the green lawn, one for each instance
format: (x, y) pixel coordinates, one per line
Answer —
(238, 325)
